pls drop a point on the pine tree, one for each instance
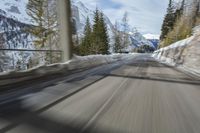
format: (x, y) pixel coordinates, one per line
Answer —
(169, 21)
(104, 43)
(85, 48)
(96, 40)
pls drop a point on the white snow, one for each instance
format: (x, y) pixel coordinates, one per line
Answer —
(158, 54)
(169, 56)
(77, 62)
(177, 44)
(140, 39)
(85, 12)
(152, 36)
(20, 5)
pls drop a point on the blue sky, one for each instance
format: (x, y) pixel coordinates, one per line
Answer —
(145, 15)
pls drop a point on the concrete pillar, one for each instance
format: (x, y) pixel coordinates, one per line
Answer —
(64, 17)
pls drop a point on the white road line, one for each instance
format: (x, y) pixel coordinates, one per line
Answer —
(94, 117)
(89, 123)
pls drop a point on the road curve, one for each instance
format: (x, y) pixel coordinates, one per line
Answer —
(143, 96)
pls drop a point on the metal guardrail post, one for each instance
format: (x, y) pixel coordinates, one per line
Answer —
(64, 17)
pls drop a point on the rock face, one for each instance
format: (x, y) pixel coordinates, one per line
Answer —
(185, 53)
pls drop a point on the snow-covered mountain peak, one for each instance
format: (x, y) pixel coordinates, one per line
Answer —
(152, 36)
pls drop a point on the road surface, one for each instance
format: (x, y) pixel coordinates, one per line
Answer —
(141, 96)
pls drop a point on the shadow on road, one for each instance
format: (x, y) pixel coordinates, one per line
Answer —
(16, 114)
(197, 82)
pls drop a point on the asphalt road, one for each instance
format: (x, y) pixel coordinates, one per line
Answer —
(141, 96)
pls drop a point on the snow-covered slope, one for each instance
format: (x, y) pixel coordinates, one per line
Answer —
(14, 35)
(154, 39)
(152, 36)
(80, 14)
(14, 23)
(139, 39)
(15, 9)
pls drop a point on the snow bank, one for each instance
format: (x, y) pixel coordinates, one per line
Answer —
(163, 54)
(184, 54)
(76, 63)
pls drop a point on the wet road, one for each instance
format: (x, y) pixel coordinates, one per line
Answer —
(141, 96)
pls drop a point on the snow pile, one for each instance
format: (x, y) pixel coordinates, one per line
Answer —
(196, 30)
(76, 63)
(183, 54)
(163, 54)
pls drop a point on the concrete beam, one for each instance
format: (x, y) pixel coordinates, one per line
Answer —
(64, 17)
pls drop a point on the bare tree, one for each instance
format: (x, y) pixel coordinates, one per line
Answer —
(125, 35)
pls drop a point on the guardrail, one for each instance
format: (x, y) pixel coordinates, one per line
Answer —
(50, 54)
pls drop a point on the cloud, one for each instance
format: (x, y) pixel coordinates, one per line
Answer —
(146, 15)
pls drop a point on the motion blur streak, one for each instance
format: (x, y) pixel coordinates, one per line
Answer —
(142, 96)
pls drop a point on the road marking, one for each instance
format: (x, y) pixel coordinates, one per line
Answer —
(89, 123)
(94, 117)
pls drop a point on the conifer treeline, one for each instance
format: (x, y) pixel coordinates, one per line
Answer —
(96, 39)
(178, 22)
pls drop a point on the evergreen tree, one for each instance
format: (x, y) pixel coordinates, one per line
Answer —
(103, 32)
(169, 21)
(96, 40)
(85, 48)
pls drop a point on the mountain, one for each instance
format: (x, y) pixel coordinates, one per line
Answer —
(15, 9)
(154, 39)
(13, 24)
(139, 39)
(80, 13)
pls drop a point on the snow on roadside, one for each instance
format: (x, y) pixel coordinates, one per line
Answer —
(180, 54)
(77, 62)
(159, 53)
(177, 44)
